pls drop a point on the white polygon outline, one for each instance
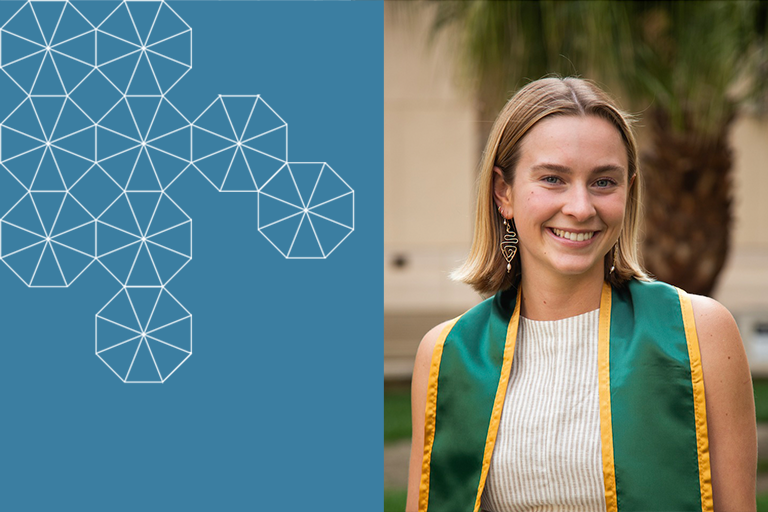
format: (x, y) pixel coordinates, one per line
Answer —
(144, 240)
(143, 334)
(148, 50)
(236, 141)
(95, 168)
(47, 47)
(143, 47)
(144, 143)
(49, 238)
(306, 210)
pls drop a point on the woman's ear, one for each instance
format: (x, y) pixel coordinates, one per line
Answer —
(502, 193)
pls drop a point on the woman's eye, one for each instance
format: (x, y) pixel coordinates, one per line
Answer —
(604, 183)
(553, 180)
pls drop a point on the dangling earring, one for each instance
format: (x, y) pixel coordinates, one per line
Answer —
(509, 244)
(615, 257)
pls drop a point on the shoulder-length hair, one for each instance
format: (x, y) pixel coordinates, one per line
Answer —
(485, 268)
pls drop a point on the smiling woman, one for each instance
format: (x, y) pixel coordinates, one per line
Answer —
(567, 197)
(581, 384)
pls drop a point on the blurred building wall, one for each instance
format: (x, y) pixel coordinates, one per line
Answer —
(430, 162)
(429, 170)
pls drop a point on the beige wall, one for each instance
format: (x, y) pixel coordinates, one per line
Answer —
(743, 285)
(428, 129)
(429, 167)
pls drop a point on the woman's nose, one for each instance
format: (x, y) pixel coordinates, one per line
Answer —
(578, 203)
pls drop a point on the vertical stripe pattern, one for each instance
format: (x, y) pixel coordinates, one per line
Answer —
(547, 455)
(500, 400)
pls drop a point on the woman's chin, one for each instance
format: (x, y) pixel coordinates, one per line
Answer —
(578, 268)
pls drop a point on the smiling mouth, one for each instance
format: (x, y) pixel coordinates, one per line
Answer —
(574, 237)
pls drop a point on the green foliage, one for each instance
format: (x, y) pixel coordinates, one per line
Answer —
(761, 399)
(504, 45)
(762, 502)
(693, 60)
(397, 414)
(394, 500)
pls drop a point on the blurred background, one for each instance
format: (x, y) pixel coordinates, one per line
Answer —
(696, 76)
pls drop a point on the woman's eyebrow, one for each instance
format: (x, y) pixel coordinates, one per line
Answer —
(567, 170)
(608, 168)
(552, 167)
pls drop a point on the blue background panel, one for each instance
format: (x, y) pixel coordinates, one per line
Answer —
(279, 406)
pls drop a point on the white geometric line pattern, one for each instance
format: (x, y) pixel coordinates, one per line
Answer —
(95, 143)
(47, 239)
(143, 334)
(239, 143)
(144, 239)
(306, 210)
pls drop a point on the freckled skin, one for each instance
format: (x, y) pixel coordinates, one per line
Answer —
(542, 199)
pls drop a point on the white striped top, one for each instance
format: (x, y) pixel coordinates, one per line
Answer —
(547, 456)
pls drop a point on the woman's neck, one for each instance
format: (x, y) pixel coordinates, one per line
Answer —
(554, 299)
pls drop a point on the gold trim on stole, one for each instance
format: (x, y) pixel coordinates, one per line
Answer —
(501, 393)
(431, 410)
(699, 403)
(604, 379)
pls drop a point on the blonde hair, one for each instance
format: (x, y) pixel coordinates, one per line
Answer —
(485, 268)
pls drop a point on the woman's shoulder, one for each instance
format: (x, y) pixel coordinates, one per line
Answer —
(727, 377)
(423, 362)
(715, 325)
(716, 328)
(419, 385)
(478, 311)
(428, 342)
(729, 403)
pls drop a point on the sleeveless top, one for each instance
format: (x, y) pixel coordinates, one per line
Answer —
(547, 455)
(652, 407)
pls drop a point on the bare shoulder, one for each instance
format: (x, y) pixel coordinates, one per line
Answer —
(723, 358)
(419, 385)
(716, 328)
(729, 404)
(428, 342)
(423, 362)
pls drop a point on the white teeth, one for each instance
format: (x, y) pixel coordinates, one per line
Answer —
(576, 237)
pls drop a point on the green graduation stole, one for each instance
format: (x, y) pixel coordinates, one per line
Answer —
(653, 422)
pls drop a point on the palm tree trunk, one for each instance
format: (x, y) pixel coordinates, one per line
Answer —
(687, 204)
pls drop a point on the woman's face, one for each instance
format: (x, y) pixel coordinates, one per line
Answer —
(568, 197)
